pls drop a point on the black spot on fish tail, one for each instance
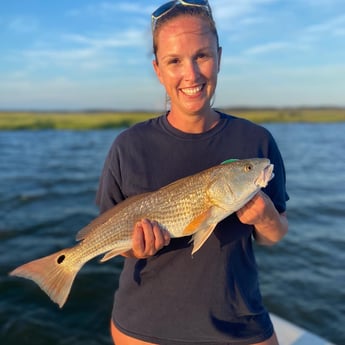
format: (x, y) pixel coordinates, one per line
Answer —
(61, 259)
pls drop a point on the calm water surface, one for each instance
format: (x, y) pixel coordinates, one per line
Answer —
(48, 181)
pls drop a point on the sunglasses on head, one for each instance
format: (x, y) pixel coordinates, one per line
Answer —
(167, 7)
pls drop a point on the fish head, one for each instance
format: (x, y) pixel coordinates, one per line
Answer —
(237, 181)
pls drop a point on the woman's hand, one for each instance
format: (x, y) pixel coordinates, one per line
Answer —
(270, 225)
(148, 238)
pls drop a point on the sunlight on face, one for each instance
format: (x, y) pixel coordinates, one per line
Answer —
(187, 63)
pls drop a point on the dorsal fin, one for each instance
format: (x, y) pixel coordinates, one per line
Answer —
(104, 217)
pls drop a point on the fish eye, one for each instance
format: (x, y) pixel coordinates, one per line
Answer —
(248, 168)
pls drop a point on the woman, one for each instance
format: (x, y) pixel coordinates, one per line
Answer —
(165, 295)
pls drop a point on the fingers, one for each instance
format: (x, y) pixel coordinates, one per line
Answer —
(148, 238)
(161, 236)
(256, 210)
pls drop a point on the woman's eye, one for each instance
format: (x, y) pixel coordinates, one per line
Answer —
(201, 56)
(204, 55)
(173, 61)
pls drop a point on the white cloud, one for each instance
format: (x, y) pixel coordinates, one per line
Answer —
(59, 54)
(290, 86)
(119, 39)
(23, 24)
(234, 60)
(127, 7)
(87, 52)
(332, 26)
(322, 3)
(111, 8)
(224, 9)
(267, 48)
(68, 93)
(101, 56)
(253, 20)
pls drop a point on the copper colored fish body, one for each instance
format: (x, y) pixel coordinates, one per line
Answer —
(190, 206)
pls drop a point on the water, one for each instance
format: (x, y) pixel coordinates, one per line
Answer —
(48, 181)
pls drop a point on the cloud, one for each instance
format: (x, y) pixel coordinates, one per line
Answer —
(74, 61)
(23, 24)
(304, 38)
(267, 48)
(126, 38)
(127, 7)
(26, 92)
(334, 26)
(110, 9)
(234, 61)
(282, 86)
(224, 9)
(68, 93)
(87, 52)
(59, 54)
(323, 3)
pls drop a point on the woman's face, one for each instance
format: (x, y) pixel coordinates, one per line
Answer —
(188, 60)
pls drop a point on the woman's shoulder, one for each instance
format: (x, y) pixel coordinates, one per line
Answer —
(139, 130)
(239, 125)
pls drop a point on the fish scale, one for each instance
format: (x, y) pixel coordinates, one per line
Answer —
(190, 206)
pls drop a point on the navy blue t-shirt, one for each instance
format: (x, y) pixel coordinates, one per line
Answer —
(212, 297)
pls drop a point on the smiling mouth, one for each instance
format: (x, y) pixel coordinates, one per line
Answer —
(192, 91)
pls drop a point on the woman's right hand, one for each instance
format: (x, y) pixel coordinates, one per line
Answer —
(148, 238)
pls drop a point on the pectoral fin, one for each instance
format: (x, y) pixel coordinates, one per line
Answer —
(201, 236)
(115, 252)
(196, 223)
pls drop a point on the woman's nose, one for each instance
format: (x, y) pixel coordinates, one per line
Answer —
(191, 71)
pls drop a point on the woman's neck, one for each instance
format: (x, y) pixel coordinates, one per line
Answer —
(194, 123)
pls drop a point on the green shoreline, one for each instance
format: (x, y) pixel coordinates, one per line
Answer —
(31, 120)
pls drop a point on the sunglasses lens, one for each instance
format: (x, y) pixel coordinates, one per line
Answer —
(164, 8)
(197, 2)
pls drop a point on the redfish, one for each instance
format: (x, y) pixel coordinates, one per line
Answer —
(191, 206)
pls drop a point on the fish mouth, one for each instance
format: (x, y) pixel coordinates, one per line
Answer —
(265, 176)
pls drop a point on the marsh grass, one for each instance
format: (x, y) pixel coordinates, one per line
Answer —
(106, 120)
(71, 121)
(308, 115)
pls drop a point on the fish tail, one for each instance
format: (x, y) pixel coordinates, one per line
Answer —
(52, 274)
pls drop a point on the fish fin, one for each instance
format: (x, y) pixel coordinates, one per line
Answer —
(193, 226)
(107, 215)
(115, 252)
(200, 237)
(51, 274)
(97, 222)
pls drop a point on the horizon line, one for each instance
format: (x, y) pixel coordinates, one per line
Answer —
(114, 110)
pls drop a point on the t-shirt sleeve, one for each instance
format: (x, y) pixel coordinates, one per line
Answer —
(276, 188)
(109, 190)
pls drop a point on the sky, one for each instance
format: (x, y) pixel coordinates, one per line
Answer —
(94, 54)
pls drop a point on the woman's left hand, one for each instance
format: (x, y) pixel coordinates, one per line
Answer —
(257, 209)
(270, 225)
